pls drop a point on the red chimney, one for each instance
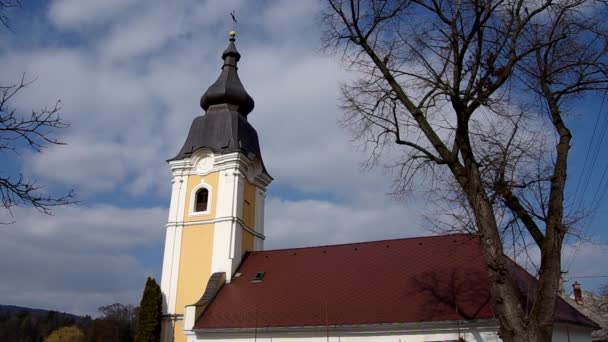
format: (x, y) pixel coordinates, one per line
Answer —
(578, 294)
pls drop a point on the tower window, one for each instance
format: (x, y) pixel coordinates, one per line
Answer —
(202, 200)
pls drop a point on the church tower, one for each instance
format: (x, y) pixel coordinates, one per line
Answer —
(218, 189)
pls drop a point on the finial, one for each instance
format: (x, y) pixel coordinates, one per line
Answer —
(234, 22)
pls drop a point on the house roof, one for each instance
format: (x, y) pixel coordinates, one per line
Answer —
(593, 307)
(438, 278)
(564, 312)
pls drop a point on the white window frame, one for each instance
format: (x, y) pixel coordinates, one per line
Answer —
(193, 211)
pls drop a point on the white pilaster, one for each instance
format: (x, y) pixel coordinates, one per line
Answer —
(227, 233)
(173, 238)
(165, 283)
(260, 197)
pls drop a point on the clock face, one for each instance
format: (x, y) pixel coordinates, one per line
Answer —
(205, 163)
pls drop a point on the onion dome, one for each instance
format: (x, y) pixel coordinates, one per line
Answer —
(224, 128)
(228, 91)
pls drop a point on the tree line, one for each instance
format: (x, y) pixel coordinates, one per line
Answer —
(117, 323)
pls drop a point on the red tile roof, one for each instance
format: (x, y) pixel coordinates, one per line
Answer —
(438, 278)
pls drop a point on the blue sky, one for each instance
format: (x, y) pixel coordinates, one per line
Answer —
(130, 74)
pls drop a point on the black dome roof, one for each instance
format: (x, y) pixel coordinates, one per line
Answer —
(224, 127)
(228, 89)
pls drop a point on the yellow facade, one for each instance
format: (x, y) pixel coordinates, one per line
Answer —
(248, 216)
(178, 332)
(194, 264)
(247, 242)
(197, 243)
(196, 249)
(249, 205)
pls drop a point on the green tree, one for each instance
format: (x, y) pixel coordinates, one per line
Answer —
(26, 329)
(66, 334)
(150, 311)
(117, 323)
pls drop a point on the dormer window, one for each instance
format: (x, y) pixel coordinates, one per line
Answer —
(202, 200)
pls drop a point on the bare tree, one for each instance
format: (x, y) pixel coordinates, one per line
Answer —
(473, 95)
(20, 131)
(4, 5)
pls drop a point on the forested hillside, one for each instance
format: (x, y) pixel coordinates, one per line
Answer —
(20, 324)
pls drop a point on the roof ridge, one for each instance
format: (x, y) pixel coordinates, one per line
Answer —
(366, 242)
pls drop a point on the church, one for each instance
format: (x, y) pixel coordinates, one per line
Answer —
(219, 284)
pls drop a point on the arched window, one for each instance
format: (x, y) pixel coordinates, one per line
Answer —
(202, 199)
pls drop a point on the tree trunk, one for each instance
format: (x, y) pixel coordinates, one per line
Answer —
(515, 325)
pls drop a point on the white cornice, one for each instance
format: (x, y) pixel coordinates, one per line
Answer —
(216, 220)
(221, 162)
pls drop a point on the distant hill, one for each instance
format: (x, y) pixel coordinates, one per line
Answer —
(13, 309)
(23, 324)
(19, 323)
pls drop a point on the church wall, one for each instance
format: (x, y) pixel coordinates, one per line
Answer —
(485, 334)
(211, 180)
(480, 333)
(195, 265)
(178, 335)
(570, 333)
(259, 219)
(249, 205)
(247, 243)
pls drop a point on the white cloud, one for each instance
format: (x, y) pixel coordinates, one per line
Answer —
(140, 34)
(78, 259)
(99, 228)
(75, 14)
(286, 19)
(585, 262)
(125, 121)
(96, 98)
(127, 116)
(315, 222)
(83, 164)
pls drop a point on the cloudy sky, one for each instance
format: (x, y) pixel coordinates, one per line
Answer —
(129, 74)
